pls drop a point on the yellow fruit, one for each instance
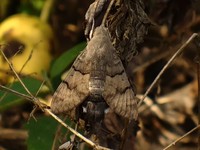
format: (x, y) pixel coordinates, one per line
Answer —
(33, 37)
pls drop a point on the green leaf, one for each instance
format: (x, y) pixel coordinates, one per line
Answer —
(64, 61)
(31, 7)
(38, 5)
(10, 99)
(41, 133)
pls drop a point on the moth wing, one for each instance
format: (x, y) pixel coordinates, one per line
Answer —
(118, 92)
(74, 88)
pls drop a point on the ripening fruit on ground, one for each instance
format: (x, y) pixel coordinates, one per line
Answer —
(27, 42)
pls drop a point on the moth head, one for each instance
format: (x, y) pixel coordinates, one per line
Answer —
(101, 31)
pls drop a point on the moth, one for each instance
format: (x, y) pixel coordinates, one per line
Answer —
(97, 79)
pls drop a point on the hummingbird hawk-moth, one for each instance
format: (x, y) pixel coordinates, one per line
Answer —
(97, 78)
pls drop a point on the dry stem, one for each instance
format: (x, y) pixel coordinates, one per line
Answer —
(194, 35)
(41, 106)
(174, 143)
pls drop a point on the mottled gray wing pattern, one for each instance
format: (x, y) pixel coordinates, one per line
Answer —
(74, 88)
(118, 91)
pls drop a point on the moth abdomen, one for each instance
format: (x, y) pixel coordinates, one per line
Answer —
(97, 82)
(96, 87)
(92, 110)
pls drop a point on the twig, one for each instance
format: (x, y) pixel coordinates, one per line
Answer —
(58, 133)
(70, 129)
(152, 60)
(56, 118)
(29, 57)
(197, 60)
(11, 67)
(97, 147)
(194, 35)
(34, 100)
(44, 16)
(41, 106)
(3, 88)
(73, 138)
(173, 143)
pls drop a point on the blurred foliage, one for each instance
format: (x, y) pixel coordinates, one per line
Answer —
(41, 133)
(31, 7)
(10, 7)
(8, 99)
(35, 39)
